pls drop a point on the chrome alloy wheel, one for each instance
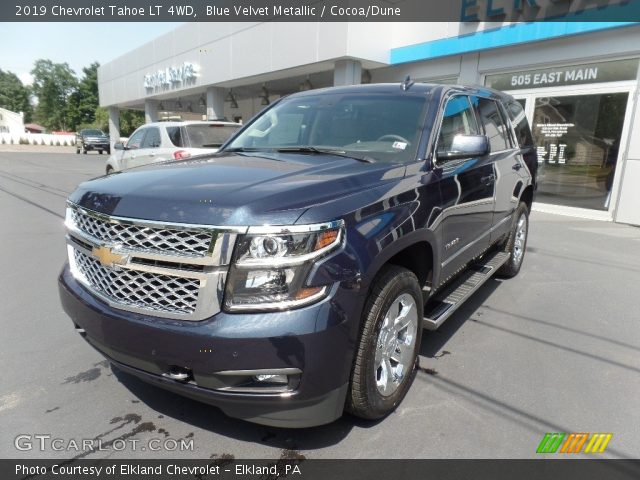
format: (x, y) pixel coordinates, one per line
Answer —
(395, 344)
(520, 240)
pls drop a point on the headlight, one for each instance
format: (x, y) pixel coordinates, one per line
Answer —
(271, 266)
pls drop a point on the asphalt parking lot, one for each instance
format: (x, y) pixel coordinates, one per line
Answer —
(557, 349)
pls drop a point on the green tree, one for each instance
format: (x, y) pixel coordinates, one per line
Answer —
(14, 95)
(87, 94)
(55, 85)
(129, 121)
(101, 119)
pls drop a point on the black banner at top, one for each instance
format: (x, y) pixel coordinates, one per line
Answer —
(319, 10)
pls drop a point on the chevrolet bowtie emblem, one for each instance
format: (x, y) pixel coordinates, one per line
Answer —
(108, 258)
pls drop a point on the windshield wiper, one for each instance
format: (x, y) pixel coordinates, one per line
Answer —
(243, 149)
(328, 151)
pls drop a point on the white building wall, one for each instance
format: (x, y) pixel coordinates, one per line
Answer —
(11, 122)
(227, 53)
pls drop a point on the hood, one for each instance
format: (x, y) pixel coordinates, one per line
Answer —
(233, 189)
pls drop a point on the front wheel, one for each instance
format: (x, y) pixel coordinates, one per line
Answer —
(389, 343)
(516, 244)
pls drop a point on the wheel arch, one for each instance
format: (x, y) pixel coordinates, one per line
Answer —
(415, 252)
(527, 196)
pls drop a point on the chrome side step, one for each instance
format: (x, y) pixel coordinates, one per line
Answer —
(442, 306)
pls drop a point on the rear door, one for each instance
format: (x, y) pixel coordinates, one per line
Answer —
(506, 161)
(467, 190)
(523, 140)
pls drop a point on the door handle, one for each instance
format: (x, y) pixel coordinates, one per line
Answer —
(488, 180)
(517, 166)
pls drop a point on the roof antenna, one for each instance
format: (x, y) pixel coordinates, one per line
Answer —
(406, 85)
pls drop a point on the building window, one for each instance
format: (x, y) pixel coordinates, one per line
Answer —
(578, 139)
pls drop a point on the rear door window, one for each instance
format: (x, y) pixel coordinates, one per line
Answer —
(520, 124)
(493, 123)
(175, 136)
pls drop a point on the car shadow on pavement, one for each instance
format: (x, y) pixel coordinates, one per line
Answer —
(433, 342)
(209, 418)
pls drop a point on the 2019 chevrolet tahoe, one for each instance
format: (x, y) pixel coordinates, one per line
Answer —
(288, 277)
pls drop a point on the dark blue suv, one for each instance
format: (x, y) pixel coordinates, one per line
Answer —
(289, 276)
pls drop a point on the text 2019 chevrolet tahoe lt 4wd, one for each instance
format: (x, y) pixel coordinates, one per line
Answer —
(288, 277)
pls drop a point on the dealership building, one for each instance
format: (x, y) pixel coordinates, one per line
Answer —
(578, 84)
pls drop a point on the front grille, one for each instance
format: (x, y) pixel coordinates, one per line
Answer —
(139, 237)
(145, 290)
(162, 269)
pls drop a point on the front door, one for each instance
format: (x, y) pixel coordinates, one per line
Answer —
(467, 190)
(133, 148)
(148, 149)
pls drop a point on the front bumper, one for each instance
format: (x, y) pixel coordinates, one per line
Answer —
(95, 146)
(317, 340)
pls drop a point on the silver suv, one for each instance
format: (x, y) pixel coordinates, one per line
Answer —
(161, 141)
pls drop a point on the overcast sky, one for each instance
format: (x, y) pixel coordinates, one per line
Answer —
(78, 44)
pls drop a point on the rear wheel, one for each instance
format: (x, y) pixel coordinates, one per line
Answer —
(77, 151)
(100, 152)
(516, 243)
(389, 343)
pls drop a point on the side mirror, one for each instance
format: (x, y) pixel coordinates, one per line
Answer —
(466, 146)
(119, 146)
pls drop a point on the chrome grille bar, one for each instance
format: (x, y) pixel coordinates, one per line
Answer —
(169, 270)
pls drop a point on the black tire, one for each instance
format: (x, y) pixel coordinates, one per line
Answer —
(364, 399)
(109, 170)
(84, 151)
(108, 151)
(516, 250)
(100, 152)
(77, 151)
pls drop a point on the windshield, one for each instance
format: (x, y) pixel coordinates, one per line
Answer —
(380, 127)
(207, 136)
(97, 133)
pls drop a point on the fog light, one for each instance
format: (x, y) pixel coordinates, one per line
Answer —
(277, 379)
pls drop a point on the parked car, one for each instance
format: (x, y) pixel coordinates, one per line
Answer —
(162, 141)
(90, 139)
(289, 276)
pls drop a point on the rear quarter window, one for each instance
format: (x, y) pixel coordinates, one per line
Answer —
(208, 136)
(493, 123)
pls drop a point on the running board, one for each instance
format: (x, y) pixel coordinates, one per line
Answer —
(441, 307)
